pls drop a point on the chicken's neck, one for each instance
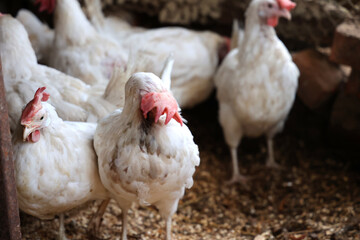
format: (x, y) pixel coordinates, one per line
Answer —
(132, 115)
(71, 24)
(258, 40)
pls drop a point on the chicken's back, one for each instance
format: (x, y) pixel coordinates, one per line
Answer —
(79, 50)
(40, 35)
(73, 99)
(92, 62)
(195, 56)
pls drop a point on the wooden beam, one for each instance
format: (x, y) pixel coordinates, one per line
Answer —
(9, 210)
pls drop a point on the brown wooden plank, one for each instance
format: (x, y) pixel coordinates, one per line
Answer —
(9, 210)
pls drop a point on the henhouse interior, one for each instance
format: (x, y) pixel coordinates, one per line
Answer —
(180, 119)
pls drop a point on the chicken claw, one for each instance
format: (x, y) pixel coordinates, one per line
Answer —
(164, 102)
(243, 180)
(273, 165)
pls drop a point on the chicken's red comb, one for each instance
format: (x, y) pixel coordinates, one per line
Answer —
(164, 102)
(34, 105)
(287, 4)
(46, 5)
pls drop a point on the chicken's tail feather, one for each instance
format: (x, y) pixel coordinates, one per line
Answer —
(166, 72)
(115, 90)
(95, 14)
(237, 34)
(234, 34)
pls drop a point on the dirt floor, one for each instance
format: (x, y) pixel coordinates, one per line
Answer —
(315, 196)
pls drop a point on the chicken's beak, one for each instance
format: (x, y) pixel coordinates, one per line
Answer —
(27, 131)
(284, 13)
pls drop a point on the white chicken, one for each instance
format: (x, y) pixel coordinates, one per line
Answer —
(197, 54)
(78, 49)
(256, 84)
(145, 157)
(55, 162)
(40, 35)
(73, 99)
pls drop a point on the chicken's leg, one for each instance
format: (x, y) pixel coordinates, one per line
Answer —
(168, 228)
(233, 134)
(62, 235)
(237, 177)
(270, 162)
(124, 224)
(167, 208)
(125, 206)
(96, 219)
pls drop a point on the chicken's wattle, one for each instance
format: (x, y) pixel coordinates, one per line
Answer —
(34, 136)
(273, 21)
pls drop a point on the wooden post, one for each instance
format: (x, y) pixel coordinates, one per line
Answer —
(9, 210)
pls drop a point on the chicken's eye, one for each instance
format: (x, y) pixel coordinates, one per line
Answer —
(42, 117)
(270, 5)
